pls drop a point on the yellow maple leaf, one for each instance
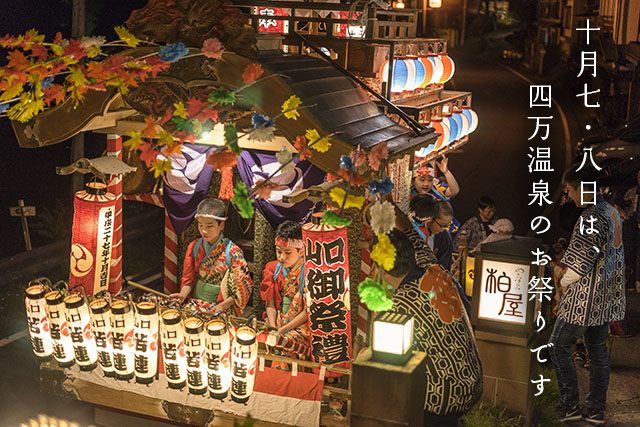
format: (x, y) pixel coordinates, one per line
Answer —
(35, 36)
(31, 103)
(291, 104)
(180, 110)
(135, 139)
(57, 49)
(12, 92)
(77, 78)
(337, 195)
(160, 166)
(126, 36)
(94, 51)
(312, 136)
(164, 138)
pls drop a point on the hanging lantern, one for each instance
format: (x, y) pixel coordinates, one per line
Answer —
(243, 364)
(411, 75)
(435, 4)
(441, 128)
(425, 151)
(449, 67)
(93, 219)
(194, 346)
(399, 74)
(146, 353)
(420, 71)
(218, 358)
(175, 365)
(101, 324)
(62, 345)
(122, 329)
(41, 342)
(428, 70)
(79, 321)
(438, 68)
(453, 127)
(457, 113)
(472, 116)
(456, 118)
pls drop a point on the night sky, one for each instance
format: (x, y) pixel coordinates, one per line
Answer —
(29, 174)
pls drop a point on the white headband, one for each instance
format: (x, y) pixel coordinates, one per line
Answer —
(219, 218)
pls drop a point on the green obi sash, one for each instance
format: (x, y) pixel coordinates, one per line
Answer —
(206, 291)
(286, 303)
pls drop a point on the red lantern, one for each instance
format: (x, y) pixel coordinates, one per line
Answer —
(442, 129)
(93, 227)
(428, 70)
(449, 67)
(326, 264)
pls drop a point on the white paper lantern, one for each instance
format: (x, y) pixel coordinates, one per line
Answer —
(122, 330)
(41, 342)
(62, 345)
(218, 358)
(243, 364)
(101, 324)
(146, 353)
(173, 354)
(79, 321)
(194, 345)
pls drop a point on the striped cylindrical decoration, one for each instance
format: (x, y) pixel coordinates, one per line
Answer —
(114, 148)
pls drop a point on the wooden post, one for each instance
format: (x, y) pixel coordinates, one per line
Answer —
(114, 148)
(23, 212)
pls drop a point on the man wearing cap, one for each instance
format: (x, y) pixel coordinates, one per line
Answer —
(215, 270)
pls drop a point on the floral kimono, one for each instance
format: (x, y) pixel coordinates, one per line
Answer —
(286, 287)
(216, 272)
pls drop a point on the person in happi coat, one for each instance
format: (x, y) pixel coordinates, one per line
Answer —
(593, 295)
(441, 329)
(215, 270)
(477, 228)
(282, 287)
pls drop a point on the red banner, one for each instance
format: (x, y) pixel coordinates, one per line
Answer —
(93, 228)
(326, 266)
(268, 25)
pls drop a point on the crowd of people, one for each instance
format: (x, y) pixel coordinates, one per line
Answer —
(585, 269)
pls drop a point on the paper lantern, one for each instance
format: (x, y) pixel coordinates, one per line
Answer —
(79, 321)
(41, 342)
(453, 128)
(425, 151)
(62, 345)
(441, 128)
(123, 324)
(409, 85)
(326, 266)
(194, 345)
(101, 324)
(392, 337)
(473, 118)
(464, 121)
(420, 71)
(435, 4)
(428, 70)
(459, 125)
(218, 358)
(449, 67)
(243, 364)
(399, 74)
(438, 68)
(146, 333)
(173, 355)
(93, 220)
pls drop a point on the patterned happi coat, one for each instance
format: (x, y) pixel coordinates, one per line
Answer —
(211, 269)
(286, 288)
(442, 330)
(595, 252)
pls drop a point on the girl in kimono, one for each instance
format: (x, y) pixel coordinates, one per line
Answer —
(215, 270)
(282, 287)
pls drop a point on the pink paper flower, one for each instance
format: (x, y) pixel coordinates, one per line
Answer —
(212, 48)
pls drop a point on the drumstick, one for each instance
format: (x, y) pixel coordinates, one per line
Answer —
(146, 289)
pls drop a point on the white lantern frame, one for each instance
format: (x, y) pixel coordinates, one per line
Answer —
(172, 345)
(245, 351)
(101, 322)
(59, 329)
(218, 352)
(194, 344)
(79, 322)
(41, 342)
(144, 355)
(123, 329)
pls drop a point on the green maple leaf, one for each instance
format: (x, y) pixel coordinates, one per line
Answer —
(222, 96)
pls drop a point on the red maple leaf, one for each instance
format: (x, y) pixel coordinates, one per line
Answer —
(222, 159)
(167, 116)
(17, 60)
(39, 52)
(53, 93)
(195, 106)
(355, 180)
(74, 50)
(174, 147)
(265, 189)
(96, 71)
(58, 39)
(7, 40)
(147, 153)
(150, 130)
(186, 137)
(252, 72)
(157, 65)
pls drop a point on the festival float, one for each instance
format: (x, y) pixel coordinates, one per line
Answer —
(195, 102)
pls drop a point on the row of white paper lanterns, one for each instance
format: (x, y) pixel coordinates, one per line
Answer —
(451, 127)
(123, 341)
(412, 73)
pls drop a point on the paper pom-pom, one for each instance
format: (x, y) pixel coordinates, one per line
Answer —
(332, 218)
(373, 294)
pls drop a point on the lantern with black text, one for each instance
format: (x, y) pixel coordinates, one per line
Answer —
(392, 337)
(62, 345)
(218, 358)
(326, 266)
(101, 323)
(243, 364)
(93, 222)
(175, 365)
(146, 354)
(41, 342)
(122, 330)
(194, 346)
(79, 321)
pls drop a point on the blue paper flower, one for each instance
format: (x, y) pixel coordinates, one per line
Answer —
(4, 107)
(346, 162)
(172, 52)
(261, 120)
(46, 82)
(382, 187)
